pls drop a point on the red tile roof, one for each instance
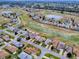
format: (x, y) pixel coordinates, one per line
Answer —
(76, 50)
(55, 42)
(11, 48)
(3, 54)
(31, 50)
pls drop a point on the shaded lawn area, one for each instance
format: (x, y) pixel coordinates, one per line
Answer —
(14, 56)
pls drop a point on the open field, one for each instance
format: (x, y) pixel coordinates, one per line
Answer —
(47, 30)
(3, 19)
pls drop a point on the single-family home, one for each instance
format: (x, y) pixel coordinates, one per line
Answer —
(17, 44)
(11, 48)
(76, 51)
(4, 54)
(55, 42)
(24, 55)
(48, 41)
(31, 50)
(61, 45)
(69, 49)
(6, 38)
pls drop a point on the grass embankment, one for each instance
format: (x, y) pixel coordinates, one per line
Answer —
(51, 56)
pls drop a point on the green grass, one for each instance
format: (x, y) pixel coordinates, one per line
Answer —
(38, 52)
(29, 45)
(75, 39)
(14, 56)
(22, 36)
(43, 58)
(1, 27)
(43, 44)
(51, 56)
(9, 31)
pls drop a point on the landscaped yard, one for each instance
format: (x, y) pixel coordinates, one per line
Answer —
(38, 51)
(50, 56)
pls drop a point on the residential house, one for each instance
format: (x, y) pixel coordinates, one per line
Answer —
(1, 40)
(6, 38)
(48, 41)
(15, 29)
(41, 39)
(4, 54)
(7, 14)
(31, 50)
(76, 51)
(11, 48)
(36, 17)
(69, 49)
(24, 55)
(14, 21)
(31, 14)
(26, 33)
(32, 35)
(18, 44)
(61, 45)
(55, 42)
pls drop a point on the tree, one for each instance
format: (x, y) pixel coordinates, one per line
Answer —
(19, 39)
(69, 55)
(52, 48)
(27, 38)
(25, 29)
(62, 11)
(16, 33)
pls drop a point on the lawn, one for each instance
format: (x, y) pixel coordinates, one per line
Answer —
(1, 27)
(51, 56)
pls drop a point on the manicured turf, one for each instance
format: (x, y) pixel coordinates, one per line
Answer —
(51, 56)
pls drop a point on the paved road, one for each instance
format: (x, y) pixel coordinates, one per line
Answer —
(44, 50)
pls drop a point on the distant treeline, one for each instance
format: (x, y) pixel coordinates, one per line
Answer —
(62, 7)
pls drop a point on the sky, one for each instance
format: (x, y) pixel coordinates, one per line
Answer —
(39, 0)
